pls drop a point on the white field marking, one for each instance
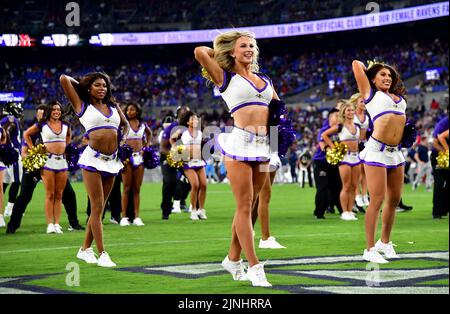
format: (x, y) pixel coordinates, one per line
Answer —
(385, 275)
(380, 290)
(190, 241)
(204, 268)
(4, 290)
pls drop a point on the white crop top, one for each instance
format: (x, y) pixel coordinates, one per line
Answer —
(187, 139)
(380, 103)
(363, 124)
(138, 134)
(49, 136)
(93, 119)
(238, 92)
(346, 135)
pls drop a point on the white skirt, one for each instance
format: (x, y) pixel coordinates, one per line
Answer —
(351, 159)
(194, 164)
(243, 145)
(107, 165)
(56, 163)
(136, 159)
(378, 154)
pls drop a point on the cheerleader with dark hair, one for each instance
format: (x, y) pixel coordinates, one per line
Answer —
(383, 91)
(139, 135)
(101, 117)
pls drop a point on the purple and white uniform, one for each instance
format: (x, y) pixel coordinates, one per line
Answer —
(92, 119)
(377, 153)
(238, 92)
(196, 162)
(352, 158)
(55, 162)
(137, 135)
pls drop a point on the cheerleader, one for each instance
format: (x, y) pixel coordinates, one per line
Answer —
(232, 66)
(361, 119)
(382, 89)
(101, 117)
(139, 135)
(349, 169)
(194, 170)
(56, 136)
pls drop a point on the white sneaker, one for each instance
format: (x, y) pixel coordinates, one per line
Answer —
(105, 261)
(8, 209)
(236, 269)
(194, 215)
(113, 221)
(51, 228)
(87, 255)
(257, 276)
(125, 221)
(176, 209)
(353, 216)
(58, 228)
(359, 200)
(201, 213)
(270, 243)
(366, 200)
(138, 222)
(347, 216)
(373, 256)
(190, 209)
(387, 249)
(2, 220)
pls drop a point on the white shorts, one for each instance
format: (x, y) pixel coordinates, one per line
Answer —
(351, 159)
(136, 159)
(13, 172)
(195, 164)
(56, 163)
(378, 154)
(107, 165)
(243, 145)
(275, 162)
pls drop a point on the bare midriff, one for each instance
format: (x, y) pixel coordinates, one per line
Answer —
(136, 145)
(252, 118)
(104, 141)
(352, 146)
(57, 148)
(389, 128)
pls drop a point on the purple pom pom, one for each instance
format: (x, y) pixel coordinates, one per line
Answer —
(8, 155)
(409, 135)
(151, 158)
(72, 156)
(277, 108)
(125, 152)
(286, 136)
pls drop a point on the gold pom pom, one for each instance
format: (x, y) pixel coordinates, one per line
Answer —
(337, 154)
(205, 73)
(36, 159)
(442, 160)
(177, 156)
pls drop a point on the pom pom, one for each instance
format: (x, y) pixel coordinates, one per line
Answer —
(409, 135)
(337, 154)
(151, 158)
(72, 156)
(442, 160)
(36, 159)
(125, 152)
(8, 155)
(177, 156)
(277, 111)
(286, 136)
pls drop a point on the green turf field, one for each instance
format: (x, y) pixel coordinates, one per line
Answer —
(179, 256)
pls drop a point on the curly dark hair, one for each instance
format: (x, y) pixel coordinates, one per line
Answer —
(397, 86)
(138, 110)
(184, 119)
(49, 109)
(86, 82)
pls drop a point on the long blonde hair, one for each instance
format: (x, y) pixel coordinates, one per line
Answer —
(344, 106)
(223, 47)
(354, 99)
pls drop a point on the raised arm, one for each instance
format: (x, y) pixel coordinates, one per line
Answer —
(442, 141)
(67, 84)
(359, 71)
(205, 56)
(326, 136)
(28, 133)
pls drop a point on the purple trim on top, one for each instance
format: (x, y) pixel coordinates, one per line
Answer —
(2, 168)
(254, 86)
(386, 112)
(224, 81)
(366, 101)
(248, 104)
(55, 141)
(101, 127)
(111, 111)
(239, 158)
(379, 164)
(83, 110)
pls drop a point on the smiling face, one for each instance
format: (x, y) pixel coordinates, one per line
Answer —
(383, 80)
(98, 89)
(360, 104)
(131, 112)
(349, 113)
(244, 50)
(193, 121)
(40, 114)
(56, 112)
